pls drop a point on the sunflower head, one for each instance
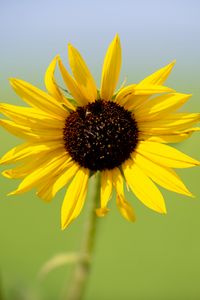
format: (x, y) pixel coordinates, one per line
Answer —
(121, 134)
(100, 135)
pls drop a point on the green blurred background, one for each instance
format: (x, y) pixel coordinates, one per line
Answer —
(158, 257)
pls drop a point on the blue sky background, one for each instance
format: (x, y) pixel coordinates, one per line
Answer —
(152, 33)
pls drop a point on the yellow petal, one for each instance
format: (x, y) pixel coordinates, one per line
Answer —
(52, 87)
(142, 93)
(16, 173)
(64, 178)
(82, 74)
(26, 168)
(72, 86)
(18, 130)
(166, 155)
(14, 154)
(164, 176)
(179, 121)
(49, 80)
(124, 207)
(159, 107)
(159, 131)
(30, 116)
(134, 96)
(106, 191)
(127, 97)
(51, 165)
(27, 133)
(175, 137)
(48, 191)
(111, 69)
(121, 86)
(159, 76)
(142, 186)
(150, 89)
(32, 163)
(26, 150)
(101, 212)
(74, 198)
(44, 189)
(124, 94)
(132, 100)
(38, 99)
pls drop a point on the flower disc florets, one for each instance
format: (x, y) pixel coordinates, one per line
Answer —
(100, 135)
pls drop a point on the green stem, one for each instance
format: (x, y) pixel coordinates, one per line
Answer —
(1, 289)
(82, 267)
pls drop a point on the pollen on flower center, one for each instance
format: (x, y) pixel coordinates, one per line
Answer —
(100, 135)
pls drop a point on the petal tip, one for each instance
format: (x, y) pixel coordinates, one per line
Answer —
(196, 162)
(12, 80)
(63, 224)
(117, 38)
(1, 162)
(173, 62)
(132, 219)
(70, 47)
(63, 227)
(57, 57)
(6, 174)
(188, 193)
(171, 90)
(101, 212)
(162, 209)
(192, 196)
(187, 96)
(12, 193)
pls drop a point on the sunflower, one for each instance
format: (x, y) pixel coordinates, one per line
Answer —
(72, 134)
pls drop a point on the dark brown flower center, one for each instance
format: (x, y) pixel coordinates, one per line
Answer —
(100, 135)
